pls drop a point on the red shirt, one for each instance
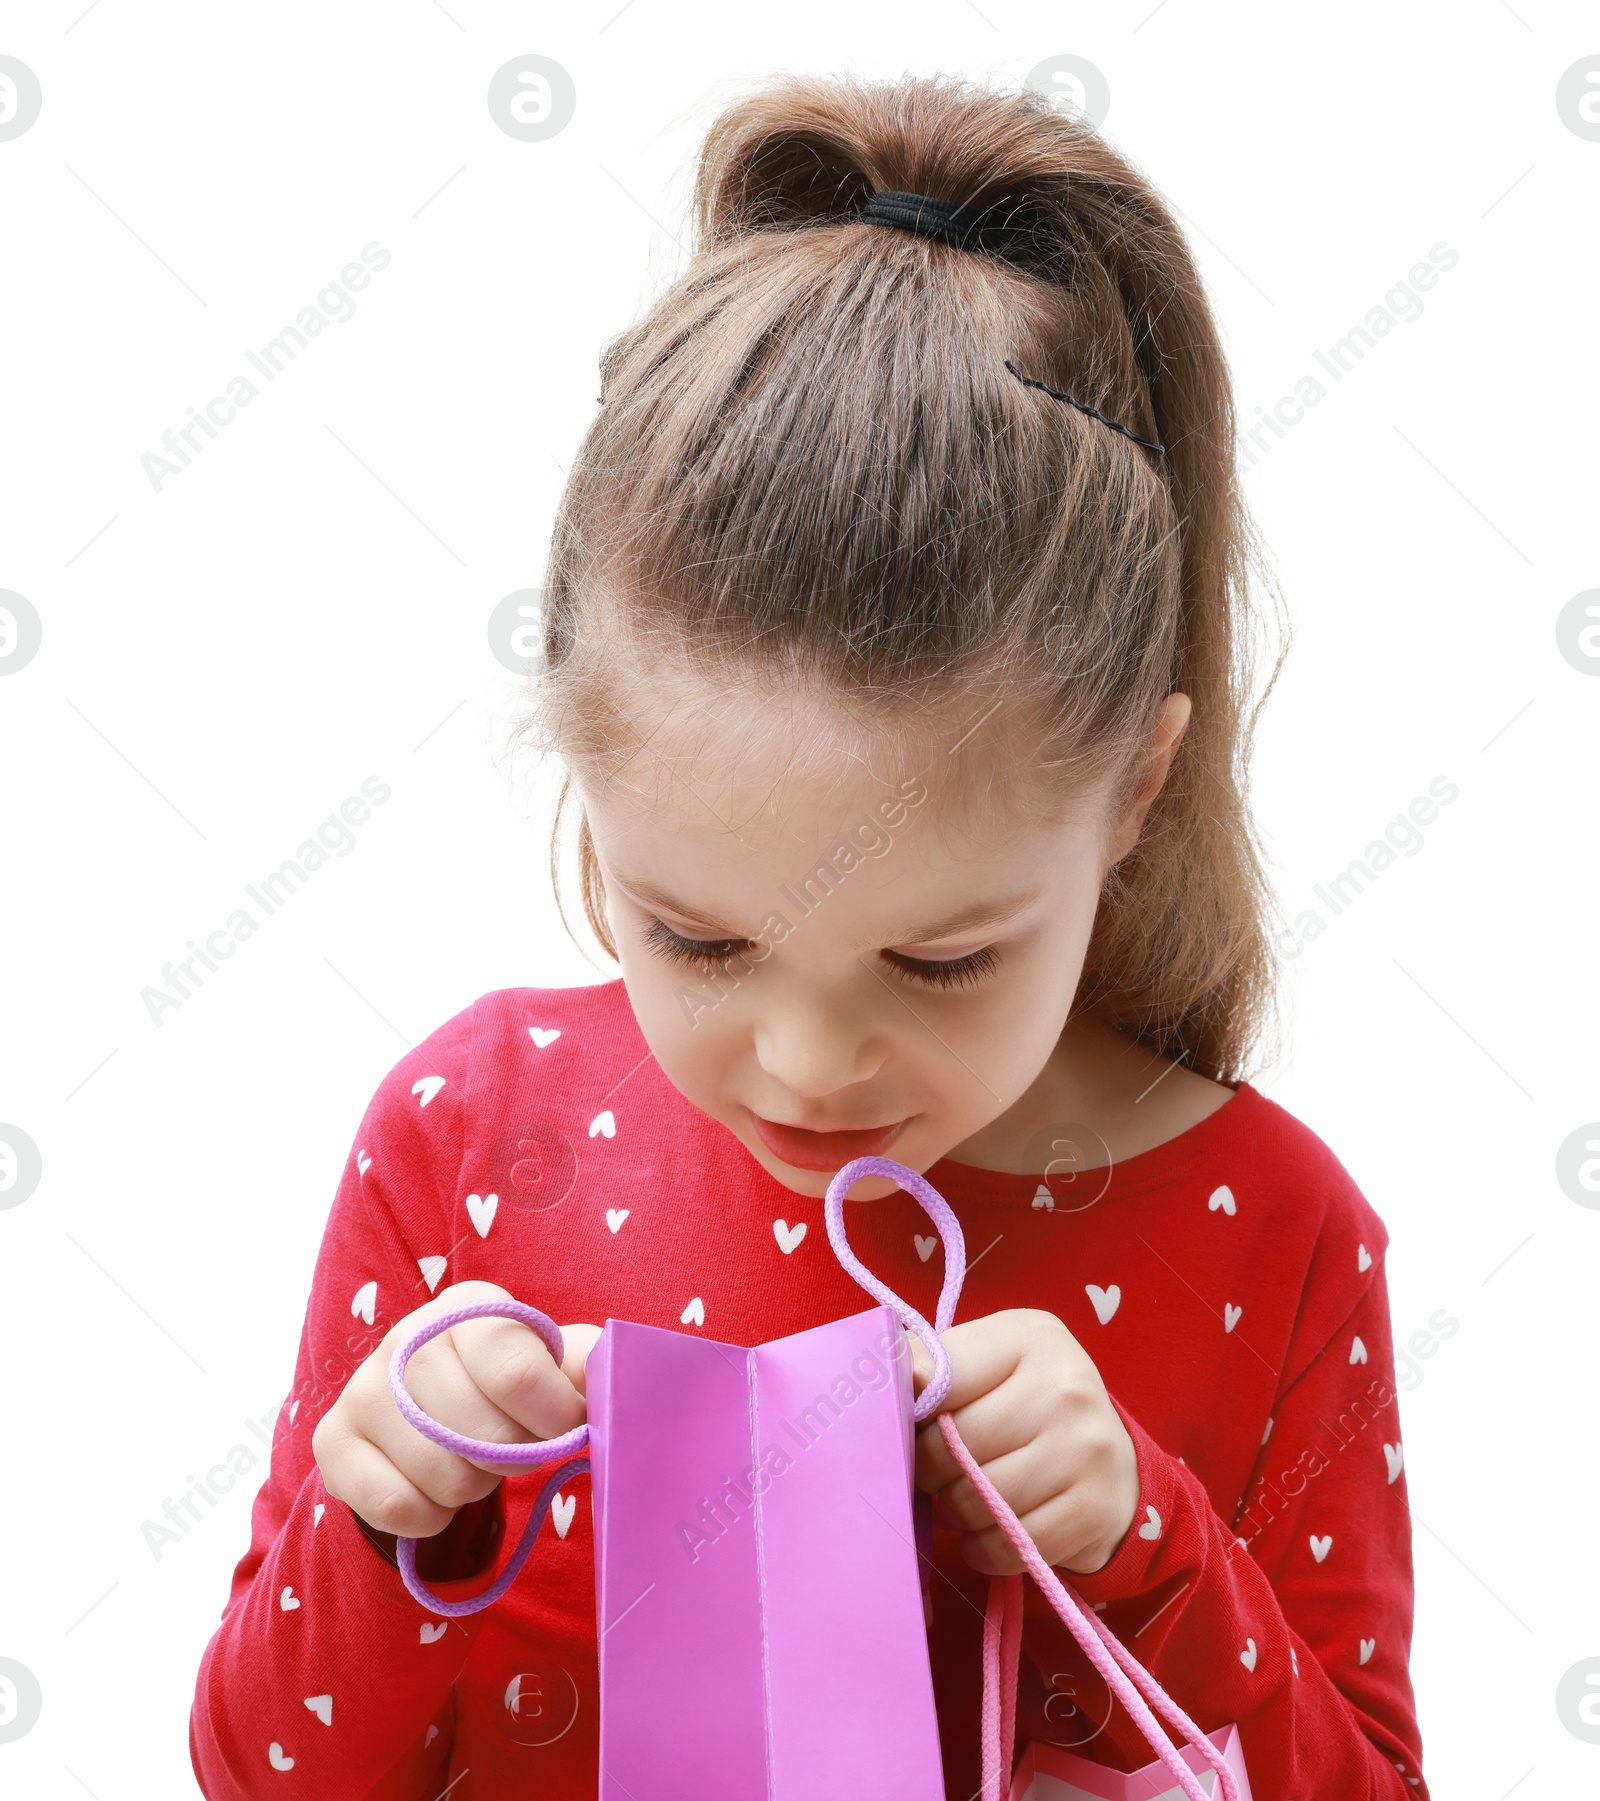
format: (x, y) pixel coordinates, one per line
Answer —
(1229, 1285)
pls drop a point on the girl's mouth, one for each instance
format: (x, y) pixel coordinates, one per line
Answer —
(828, 1151)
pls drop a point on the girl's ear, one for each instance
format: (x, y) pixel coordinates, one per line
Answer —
(1172, 721)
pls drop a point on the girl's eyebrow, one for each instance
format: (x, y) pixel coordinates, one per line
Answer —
(658, 897)
(981, 913)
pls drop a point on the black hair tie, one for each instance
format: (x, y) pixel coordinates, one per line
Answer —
(946, 220)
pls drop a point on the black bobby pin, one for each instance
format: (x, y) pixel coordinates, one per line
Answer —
(1093, 412)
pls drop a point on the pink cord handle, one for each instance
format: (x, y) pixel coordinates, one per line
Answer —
(1002, 1651)
(484, 1450)
(1126, 1677)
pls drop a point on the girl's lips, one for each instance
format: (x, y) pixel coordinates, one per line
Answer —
(827, 1151)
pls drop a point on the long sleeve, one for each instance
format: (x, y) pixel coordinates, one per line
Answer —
(1296, 1621)
(325, 1678)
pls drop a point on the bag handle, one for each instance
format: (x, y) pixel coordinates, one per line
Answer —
(938, 1209)
(1126, 1677)
(484, 1450)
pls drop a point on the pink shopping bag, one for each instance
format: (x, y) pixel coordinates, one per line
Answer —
(759, 1595)
(1048, 1774)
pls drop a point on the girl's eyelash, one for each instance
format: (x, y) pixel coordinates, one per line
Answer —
(951, 972)
(708, 956)
(711, 956)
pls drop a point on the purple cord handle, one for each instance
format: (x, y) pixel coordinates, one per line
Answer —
(406, 1554)
(484, 1450)
(937, 1208)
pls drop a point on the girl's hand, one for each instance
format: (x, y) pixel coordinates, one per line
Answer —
(485, 1378)
(1033, 1411)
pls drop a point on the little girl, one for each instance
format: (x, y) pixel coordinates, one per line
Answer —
(896, 646)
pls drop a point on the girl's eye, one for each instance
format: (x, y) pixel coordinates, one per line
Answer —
(707, 955)
(711, 956)
(952, 972)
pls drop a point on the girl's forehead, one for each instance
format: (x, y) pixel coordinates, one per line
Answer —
(781, 762)
(785, 771)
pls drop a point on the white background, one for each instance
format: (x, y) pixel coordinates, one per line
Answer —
(306, 606)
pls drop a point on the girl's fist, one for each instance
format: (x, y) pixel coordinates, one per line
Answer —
(485, 1378)
(1033, 1411)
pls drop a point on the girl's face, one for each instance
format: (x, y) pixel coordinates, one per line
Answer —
(846, 964)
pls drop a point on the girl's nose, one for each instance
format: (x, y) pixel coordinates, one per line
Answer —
(815, 1052)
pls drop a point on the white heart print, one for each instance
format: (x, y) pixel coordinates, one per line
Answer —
(481, 1209)
(1368, 1646)
(1358, 1351)
(1104, 1300)
(1248, 1655)
(1363, 1258)
(432, 1269)
(695, 1313)
(289, 1600)
(1222, 1198)
(615, 1216)
(363, 1163)
(1320, 1547)
(1394, 1457)
(433, 1630)
(1152, 1525)
(277, 1757)
(322, 1707)
(364, 1303)
(788, 1236)
(603, 1125)
(1230, 1315)
(562, 1508)
(543, 1036)
(925, 1246)
(427, 1088)
(1043, 1200)
(316, 1515)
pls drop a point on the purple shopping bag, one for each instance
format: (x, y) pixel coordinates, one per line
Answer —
(760, 1611)
(762, 1633)
(761, 1623)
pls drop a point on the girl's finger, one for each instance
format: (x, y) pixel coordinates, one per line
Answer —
(995, 1423)
(1060, 1528)
(357, 1472)
(440, 1382)
(983, 1353)
(578, 1342)
(513, 1369)
(1025, 1481)
(442, 1388)
(991, 1552)
(936, 1469)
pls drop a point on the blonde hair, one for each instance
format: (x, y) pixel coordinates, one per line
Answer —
(811, 465)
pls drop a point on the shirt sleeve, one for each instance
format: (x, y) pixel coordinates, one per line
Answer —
(1295, 1623)
(324, 1670)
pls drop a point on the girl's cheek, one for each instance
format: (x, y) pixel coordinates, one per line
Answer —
(683, 1020)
